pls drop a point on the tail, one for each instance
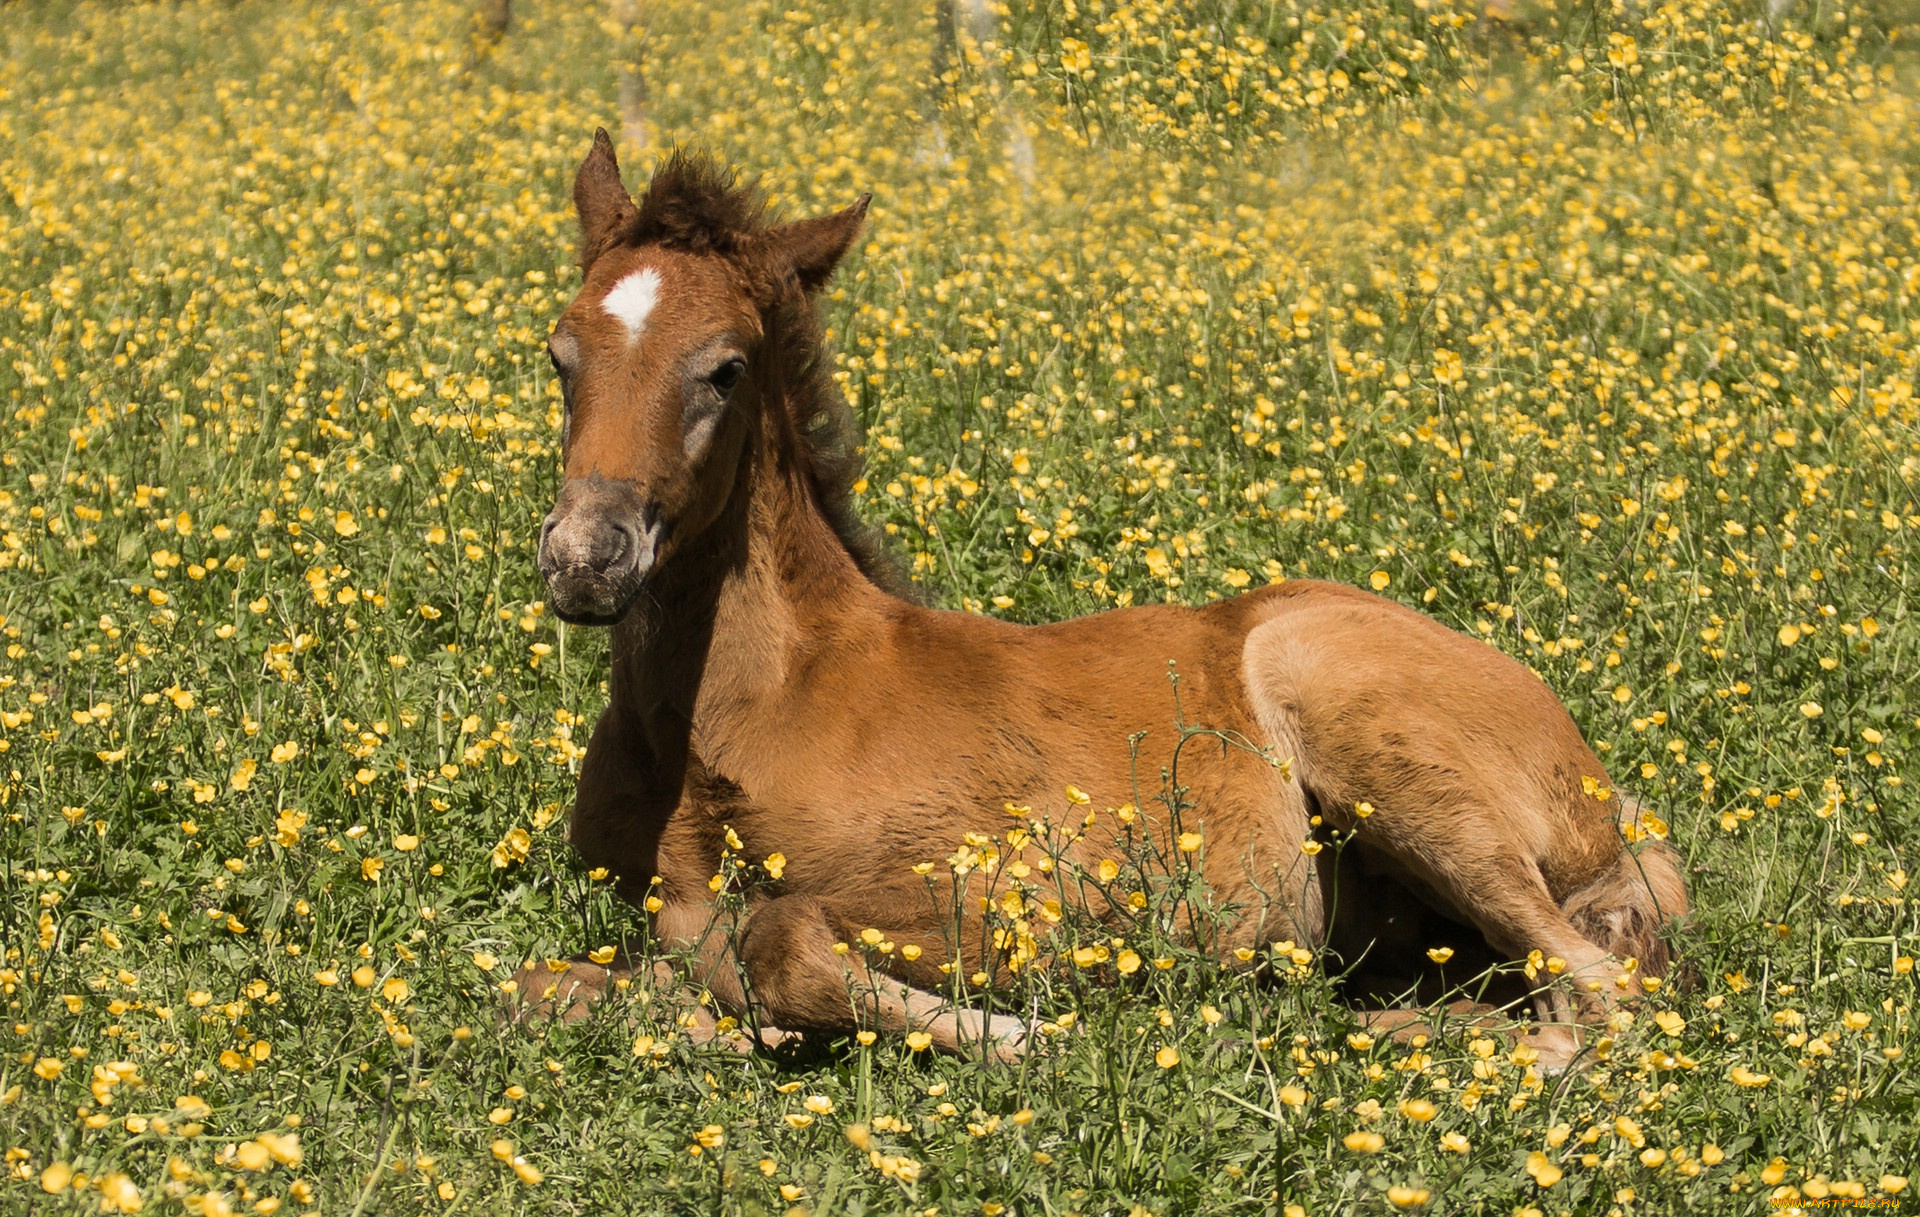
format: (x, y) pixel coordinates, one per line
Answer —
(1629, 909)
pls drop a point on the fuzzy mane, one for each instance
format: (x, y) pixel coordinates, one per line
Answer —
(697, 204)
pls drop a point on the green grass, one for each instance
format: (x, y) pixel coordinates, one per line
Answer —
(1611, 362)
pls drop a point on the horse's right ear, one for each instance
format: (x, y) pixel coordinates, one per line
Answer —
(605, 209)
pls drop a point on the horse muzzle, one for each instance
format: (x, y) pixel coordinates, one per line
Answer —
(597, 547)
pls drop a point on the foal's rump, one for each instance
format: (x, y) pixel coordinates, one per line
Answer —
(1461, 773)
(1435, 733)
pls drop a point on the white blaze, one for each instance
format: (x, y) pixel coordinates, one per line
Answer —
(632, 299)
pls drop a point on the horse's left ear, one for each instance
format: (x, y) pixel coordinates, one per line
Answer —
(812, 248)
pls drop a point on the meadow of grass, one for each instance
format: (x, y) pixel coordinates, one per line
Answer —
(1590, 329)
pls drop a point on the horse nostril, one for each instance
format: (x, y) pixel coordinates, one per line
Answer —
(624, 543)
(548, 525)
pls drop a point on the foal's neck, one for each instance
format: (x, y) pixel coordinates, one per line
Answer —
(737, 611)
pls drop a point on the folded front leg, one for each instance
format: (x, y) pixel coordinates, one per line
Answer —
(790, 974)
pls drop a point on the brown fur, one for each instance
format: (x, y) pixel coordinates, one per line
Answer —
(768, 678)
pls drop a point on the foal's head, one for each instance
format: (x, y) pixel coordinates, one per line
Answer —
(670, 360)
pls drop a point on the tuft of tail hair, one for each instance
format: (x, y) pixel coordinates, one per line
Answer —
(1633, 910)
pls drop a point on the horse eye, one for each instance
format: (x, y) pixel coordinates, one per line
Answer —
(563, 351)
(564, 380)
(727, 375)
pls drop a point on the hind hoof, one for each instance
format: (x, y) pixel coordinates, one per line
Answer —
(1558, 1046)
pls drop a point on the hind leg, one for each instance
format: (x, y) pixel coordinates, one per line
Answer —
(1382, 938)
(1462, 875)
(1465, 871)
(1404, 1025)
(1503, 895)
(1395, 940)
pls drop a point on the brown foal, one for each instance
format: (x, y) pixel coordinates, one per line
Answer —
(771, 681)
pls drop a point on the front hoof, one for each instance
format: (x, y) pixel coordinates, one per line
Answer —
(540, 993)
(1010, 1040)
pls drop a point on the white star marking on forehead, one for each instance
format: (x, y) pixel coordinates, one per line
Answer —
(632, 299)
